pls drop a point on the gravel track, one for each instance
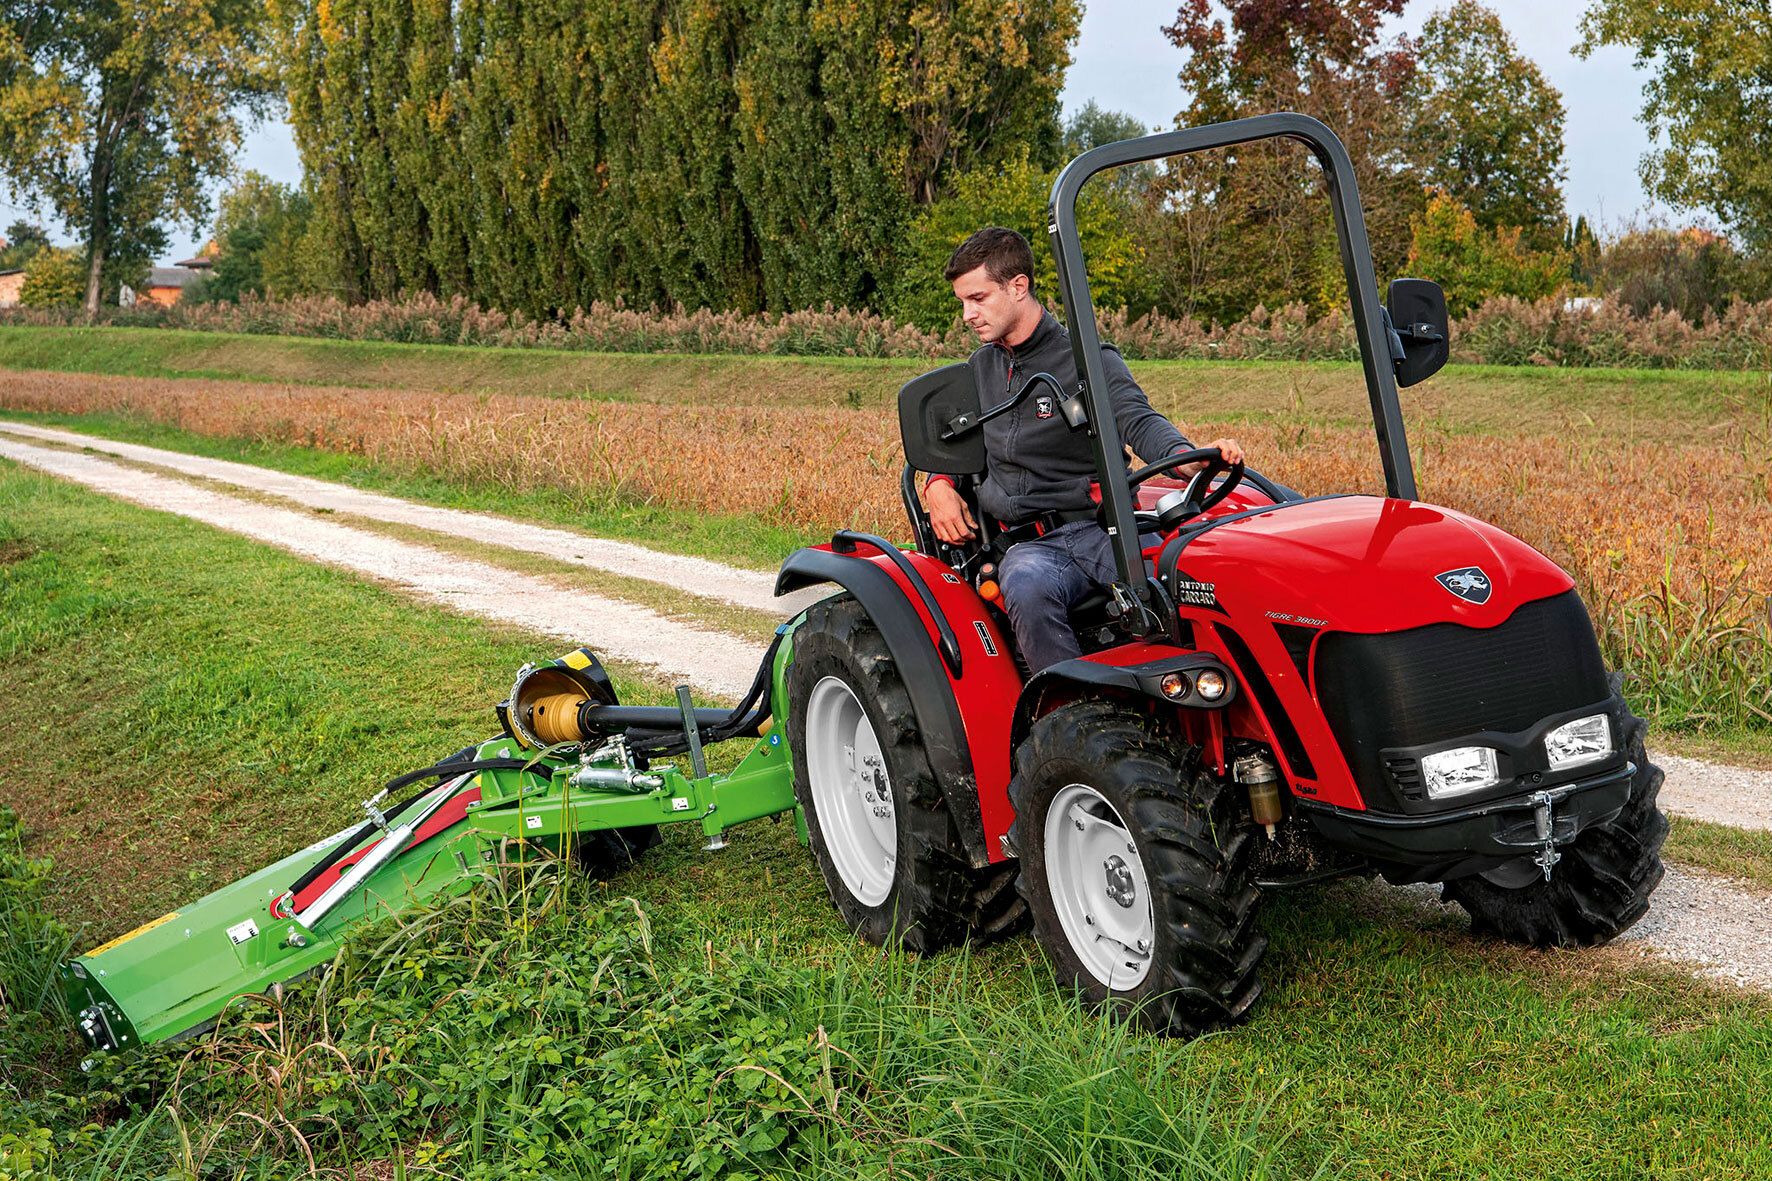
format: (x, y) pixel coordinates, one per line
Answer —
(711, 661)
(713, 580)
(1707, 923)
(1716, 928)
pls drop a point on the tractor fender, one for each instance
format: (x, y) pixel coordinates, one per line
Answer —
(960, 702)
(1131, 672)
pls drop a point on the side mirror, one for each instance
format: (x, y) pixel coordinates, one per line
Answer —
(928, 408)
(1420, 330)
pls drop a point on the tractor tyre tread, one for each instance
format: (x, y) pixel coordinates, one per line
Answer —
(927, 907)
(1599, 888)
(1195, 839)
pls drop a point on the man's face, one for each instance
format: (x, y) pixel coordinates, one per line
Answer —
(989, 308)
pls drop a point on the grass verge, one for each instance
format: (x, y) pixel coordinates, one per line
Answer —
(183, 705)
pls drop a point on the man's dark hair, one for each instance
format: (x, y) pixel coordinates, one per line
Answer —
(1002, 253)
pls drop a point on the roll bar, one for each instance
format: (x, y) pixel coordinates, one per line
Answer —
(1356, 262)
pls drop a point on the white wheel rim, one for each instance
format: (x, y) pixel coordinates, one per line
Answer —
(1098, 887)
(851, 791)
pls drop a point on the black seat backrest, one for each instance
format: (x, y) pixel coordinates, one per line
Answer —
(926, 405)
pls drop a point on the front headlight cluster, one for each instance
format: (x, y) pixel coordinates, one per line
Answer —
(1466, 769)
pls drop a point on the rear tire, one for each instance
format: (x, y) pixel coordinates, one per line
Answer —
(880, 829)
(1125, 840)
(1599, 888)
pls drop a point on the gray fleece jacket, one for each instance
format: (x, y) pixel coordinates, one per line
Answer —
(1035, 460)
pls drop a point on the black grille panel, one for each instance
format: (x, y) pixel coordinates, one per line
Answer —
(1433, 683)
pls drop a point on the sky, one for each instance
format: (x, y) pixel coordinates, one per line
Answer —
(1123, 62)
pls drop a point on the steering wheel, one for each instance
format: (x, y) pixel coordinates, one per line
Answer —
(1199, 495)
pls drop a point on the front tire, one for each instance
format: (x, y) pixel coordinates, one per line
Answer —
(1136, 867)
(880, 829)
(1599, 888)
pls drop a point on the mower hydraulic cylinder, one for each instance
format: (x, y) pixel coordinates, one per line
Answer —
(380, 855)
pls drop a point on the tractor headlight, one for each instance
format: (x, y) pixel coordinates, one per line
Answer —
(1209, 684)
(1174, 685)
(1462, 769)
(1585, 740)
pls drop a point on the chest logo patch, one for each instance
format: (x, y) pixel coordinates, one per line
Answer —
(1045, 406)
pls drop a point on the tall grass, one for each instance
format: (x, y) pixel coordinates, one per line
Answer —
(540, 1027)
(1502, 331)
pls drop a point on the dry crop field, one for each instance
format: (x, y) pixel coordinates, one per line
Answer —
(1663, 520)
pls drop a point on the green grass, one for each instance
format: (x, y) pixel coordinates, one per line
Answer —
(1739, 853)
(182, 705)
(1491, 399)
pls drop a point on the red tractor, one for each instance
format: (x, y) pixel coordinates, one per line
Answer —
(1275, 689)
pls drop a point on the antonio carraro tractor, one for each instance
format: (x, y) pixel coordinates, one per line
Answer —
(1274, 690)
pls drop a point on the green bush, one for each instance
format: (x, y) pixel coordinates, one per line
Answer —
(1016, 196)
(1474, 264)
(54, 278)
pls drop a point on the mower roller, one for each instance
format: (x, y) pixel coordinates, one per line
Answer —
(1274, 690)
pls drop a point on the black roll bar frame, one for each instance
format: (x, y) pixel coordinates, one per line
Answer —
(1073, 283)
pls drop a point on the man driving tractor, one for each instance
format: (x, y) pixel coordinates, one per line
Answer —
(1039, 471)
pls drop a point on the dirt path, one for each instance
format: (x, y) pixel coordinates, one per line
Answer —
(713, 662)
(1695, 788)
(714, 580)
(1706, 922)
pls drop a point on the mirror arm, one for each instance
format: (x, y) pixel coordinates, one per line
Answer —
(963, 424)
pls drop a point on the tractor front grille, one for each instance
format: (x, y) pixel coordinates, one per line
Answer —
(1434, 683)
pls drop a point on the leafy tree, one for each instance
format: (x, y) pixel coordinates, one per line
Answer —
(23, 241)
(1013, 196)
(1709, 95)
(54, 278)
(1473, 262)
(1092, 125)
(1253, 225)
(261, 230)
(118, 112)
(1488, 126)
(1691, 271)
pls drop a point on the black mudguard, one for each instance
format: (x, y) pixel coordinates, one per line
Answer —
(1140, 681)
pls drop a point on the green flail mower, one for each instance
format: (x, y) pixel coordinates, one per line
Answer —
(574, 774)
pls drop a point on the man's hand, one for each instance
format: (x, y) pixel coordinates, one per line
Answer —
(1229, 448)
(948, 512)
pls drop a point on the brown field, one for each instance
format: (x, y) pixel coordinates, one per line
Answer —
(1667, 533)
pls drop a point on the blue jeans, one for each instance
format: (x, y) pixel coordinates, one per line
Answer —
(1043, 579)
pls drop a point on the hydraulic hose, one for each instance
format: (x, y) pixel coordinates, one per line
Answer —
(745, 717)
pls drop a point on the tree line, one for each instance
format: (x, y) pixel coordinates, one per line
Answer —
(542, 155)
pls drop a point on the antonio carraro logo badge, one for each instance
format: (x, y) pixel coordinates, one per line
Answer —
(1469, 584)
(1045, 406)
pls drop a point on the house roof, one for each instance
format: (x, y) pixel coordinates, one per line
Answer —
(13, 271)
(200, 263)
(172, 277)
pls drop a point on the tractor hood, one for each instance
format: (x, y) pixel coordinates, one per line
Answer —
(1367, 564)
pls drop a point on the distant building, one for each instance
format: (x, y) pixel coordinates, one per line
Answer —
(11, 284)
(166, 285)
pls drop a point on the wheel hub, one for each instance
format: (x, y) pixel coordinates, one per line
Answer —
(1098, 886)
(1120, 886)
